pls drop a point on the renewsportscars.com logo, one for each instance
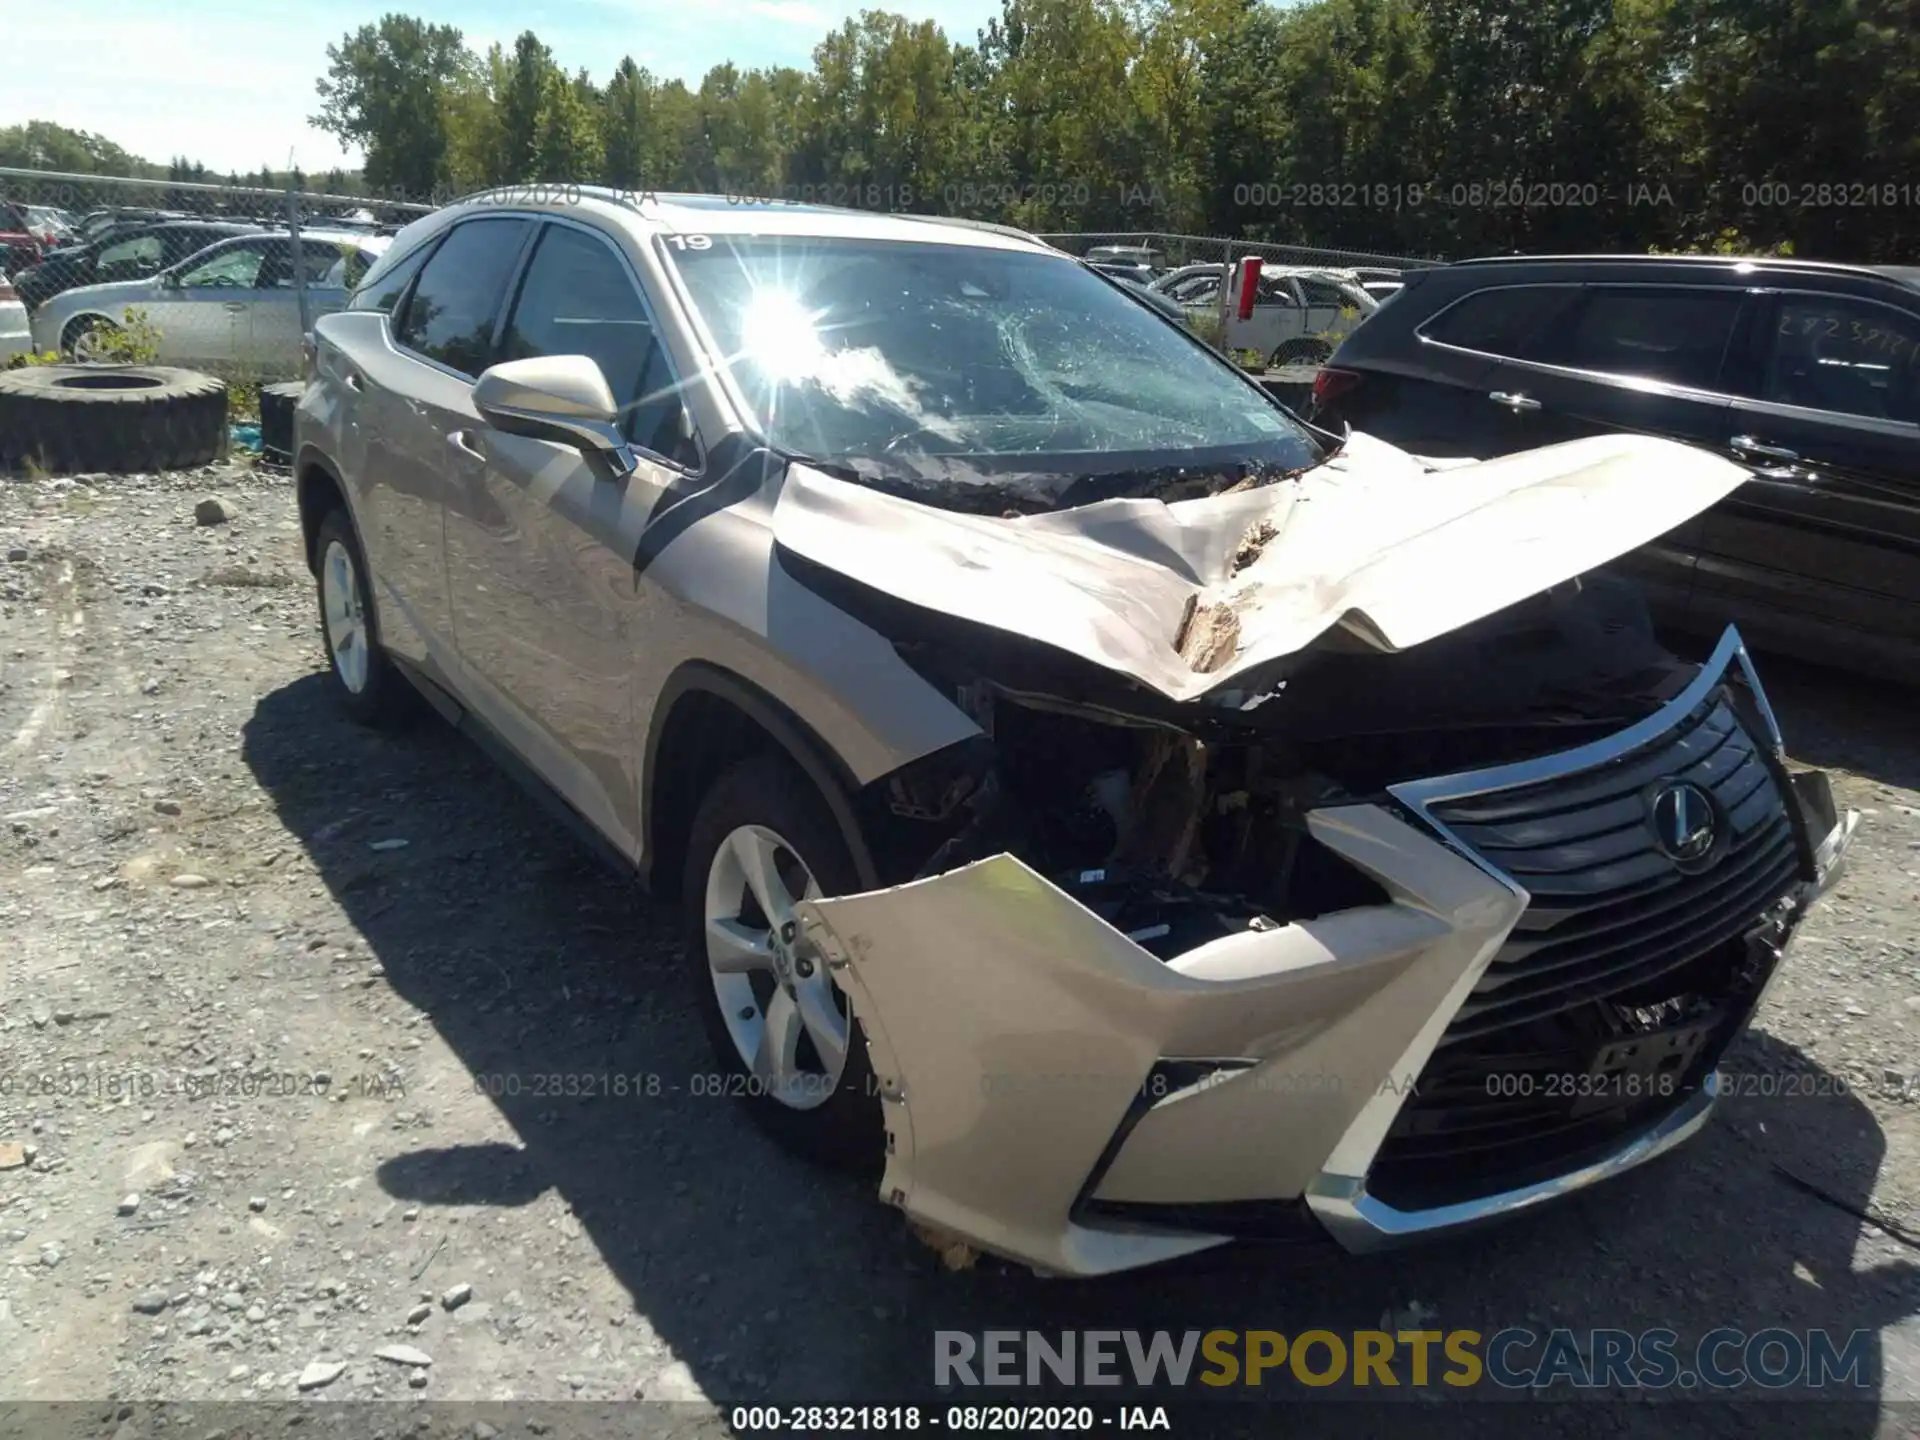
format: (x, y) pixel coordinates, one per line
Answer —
(1511, 1359)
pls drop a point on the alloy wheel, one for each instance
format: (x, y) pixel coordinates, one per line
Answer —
(788, 1021)
(345, 620)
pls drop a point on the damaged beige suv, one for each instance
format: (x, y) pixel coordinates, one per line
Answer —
(1127, 817)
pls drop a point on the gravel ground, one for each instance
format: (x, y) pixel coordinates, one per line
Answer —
(275, 993)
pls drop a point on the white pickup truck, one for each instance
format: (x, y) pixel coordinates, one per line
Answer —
(1300, 313)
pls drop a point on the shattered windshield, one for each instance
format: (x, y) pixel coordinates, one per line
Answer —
(976, 377)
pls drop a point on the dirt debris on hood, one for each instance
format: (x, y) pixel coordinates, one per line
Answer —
(1257, 538)
(1209, 635)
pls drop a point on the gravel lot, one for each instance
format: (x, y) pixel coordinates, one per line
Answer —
(214, 890)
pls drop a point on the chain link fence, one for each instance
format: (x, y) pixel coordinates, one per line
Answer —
(228, 278)
(1173, 251)
(225, 279)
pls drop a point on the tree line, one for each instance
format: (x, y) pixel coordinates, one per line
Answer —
(1432, 127)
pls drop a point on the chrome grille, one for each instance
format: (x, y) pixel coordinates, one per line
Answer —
(1616, 942)
(1610, 914)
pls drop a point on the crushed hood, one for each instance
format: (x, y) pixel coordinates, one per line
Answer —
(1374, 541)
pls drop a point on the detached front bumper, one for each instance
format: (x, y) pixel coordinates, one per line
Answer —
(1056, 1094)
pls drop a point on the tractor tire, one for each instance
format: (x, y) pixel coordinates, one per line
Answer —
(276, 419)
(94, 419)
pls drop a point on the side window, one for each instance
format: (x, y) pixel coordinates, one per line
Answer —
(182, 245)
(1275, 290)
(1679, 336)
(235, 268)
(451, 313)
(1323, 292)
(578, 299)
(319, 259)
(1195, 289)
(145, 250)
(1850, 356)
(385, 292)
(1501, 321)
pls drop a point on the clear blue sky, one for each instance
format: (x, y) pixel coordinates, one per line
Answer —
(230, 82)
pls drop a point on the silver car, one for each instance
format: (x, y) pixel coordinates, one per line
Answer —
(230, 308)
(1124, 817)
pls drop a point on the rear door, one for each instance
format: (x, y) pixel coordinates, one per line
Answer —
(276, 329)
(399, 477)
(205, 315)
(1819, 554)
(444, 332)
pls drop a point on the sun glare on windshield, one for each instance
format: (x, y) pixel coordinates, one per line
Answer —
(778, 337)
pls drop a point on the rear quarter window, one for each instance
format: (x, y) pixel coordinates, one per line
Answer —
(381, 287)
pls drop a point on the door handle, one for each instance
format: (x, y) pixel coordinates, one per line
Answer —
(462, 441)
(236, 305)
(1748, 447)
(1519, 404)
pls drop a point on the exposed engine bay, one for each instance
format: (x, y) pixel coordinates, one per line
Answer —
(1179, 833)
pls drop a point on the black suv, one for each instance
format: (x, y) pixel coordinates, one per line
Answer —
(1807, 373)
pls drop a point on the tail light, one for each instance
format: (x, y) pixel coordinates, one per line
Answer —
(1329, 385)
(7, 292)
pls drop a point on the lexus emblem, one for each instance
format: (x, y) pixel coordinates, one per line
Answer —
(1685, 822)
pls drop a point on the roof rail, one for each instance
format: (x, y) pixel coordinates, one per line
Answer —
(1781, 261)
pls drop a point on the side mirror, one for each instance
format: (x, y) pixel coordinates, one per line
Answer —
(561, 398)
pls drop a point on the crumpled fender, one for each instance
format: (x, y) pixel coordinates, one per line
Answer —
(1374, 541)
(1012, 1030)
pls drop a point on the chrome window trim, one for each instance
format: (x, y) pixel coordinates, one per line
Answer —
(1605, 377)
(1338, 1194)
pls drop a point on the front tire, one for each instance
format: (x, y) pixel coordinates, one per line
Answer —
(364, 679)
(784, 1036)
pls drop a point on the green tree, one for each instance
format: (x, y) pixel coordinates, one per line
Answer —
(385, 90)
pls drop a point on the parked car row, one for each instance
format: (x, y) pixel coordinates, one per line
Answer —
(231, 305)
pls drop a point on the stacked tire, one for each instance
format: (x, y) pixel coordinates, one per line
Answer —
(277, 403)
(110, 419)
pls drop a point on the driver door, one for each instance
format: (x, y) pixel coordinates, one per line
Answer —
(540, 544)
(203, 310)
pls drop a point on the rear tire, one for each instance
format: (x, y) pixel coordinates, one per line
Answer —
(368, 687)
(766, 999)
(1301, 352)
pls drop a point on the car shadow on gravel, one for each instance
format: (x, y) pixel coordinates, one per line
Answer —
(1838, 720)
(558, 988)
